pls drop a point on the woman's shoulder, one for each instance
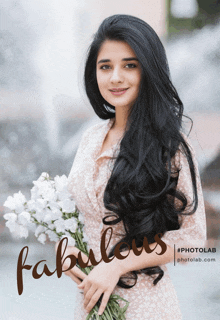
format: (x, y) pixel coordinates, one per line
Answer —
(92, 132)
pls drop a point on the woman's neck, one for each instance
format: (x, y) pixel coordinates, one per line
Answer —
(120, 120)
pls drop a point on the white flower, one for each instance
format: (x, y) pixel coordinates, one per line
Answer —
(71, 241)
(41, 213)
(23, 232)
(56, 214)
(12, 225)
(49, 200)
(39, 229)
(31, 204)
(67, 205)
(50, 195)
(42, 238)
(61, 186)
(63, 195)
(17, 230)
(10, 216)
(59, 225)
(53, 205)
(55, 210)
(37, 205)
(44, 176)
(52, 235)
(39, 216)
(47, 216)
(46, 190)
(16, 202)
(71, 224)
(35, 193)
(10, 203)
(41, 204)
(60, 183)
(24, 218)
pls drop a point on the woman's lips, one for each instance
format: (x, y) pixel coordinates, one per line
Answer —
(118, 91)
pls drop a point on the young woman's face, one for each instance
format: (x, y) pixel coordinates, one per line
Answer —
(118, 73)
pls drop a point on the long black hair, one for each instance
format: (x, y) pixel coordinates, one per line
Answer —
(141, 190)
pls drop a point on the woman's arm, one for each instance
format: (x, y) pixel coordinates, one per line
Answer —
(105, 276)
(144, 260)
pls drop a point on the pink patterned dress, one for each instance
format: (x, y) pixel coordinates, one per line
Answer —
(87, 181)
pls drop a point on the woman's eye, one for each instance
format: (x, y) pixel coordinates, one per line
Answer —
(130, 65)
(105, 67)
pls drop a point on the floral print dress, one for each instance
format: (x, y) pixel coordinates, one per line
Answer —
(87, 181)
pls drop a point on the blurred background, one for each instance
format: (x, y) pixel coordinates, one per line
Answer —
(44, 111)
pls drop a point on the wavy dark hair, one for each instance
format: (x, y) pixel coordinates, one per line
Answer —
(141, 191)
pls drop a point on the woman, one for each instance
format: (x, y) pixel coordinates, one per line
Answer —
(136, 172)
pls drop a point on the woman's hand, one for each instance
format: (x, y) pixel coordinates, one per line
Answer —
(75, 273)
(101, 280)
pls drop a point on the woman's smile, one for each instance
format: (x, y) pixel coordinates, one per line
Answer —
(118, 91)
(118, 73)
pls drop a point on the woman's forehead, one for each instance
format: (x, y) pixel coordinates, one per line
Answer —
(111, 49)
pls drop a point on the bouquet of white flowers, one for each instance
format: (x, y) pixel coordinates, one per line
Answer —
(52, 213)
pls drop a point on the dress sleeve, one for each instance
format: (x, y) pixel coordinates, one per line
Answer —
(192, 232)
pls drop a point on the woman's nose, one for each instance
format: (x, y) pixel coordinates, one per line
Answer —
(116, 75)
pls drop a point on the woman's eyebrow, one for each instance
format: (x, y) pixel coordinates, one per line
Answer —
(104, 60)
(129, 59)
(125, 59)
